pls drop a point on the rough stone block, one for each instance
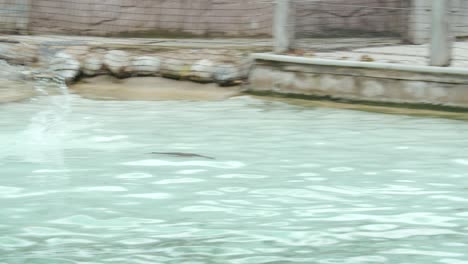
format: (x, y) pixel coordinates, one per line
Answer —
(117, 62)
(145, 65)
(65, 65)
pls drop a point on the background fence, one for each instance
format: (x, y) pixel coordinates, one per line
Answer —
(300, 25)
(147, 18)
(334, 25)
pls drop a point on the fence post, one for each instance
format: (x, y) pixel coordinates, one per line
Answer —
(281, 34)
(418, 29)
(441, 35)
(22, 19)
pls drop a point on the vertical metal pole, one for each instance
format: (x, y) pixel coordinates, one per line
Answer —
(281, 26)
(442, 37)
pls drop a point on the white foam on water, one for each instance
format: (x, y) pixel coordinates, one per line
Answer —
(12, 242)
(461, 161)
(402, 147)
(449, 198)
(190, 172)
(42, 141)
(5, 190)
(134, 175)
(29, 194)
(341, 169)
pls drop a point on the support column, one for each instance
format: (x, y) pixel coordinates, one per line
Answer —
(281, 28)
(419, 22)
(441, 34)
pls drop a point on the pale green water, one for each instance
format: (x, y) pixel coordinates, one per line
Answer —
(289, 184)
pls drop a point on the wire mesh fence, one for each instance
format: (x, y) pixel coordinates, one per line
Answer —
(146, 18)
(391, 31)
(344, 19)
(201, 40)
(365, 30)
(206, 40)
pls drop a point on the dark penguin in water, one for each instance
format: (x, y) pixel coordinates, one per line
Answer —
(182, 155)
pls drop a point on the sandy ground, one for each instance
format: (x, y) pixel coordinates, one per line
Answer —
(156, 89)
(401, 54)
(12, 91)
(150, 89)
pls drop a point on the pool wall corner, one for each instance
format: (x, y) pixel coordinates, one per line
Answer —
(359, 81)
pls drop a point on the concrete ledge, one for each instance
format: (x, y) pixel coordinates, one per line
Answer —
(359, 64)
(360, 81)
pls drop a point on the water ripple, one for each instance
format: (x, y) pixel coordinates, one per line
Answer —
(290, 184)
(178, 181)
(210, 164)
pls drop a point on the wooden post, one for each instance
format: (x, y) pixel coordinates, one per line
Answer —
(281, 28)
(441, 35)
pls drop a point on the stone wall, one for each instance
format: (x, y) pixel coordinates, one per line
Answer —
(345, 18)
(14, 15)
(232, 18)
(203, 17)
(152, 18)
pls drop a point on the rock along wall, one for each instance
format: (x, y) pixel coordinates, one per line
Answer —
(155, 18)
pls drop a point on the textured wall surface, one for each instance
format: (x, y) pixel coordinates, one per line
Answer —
(207, 17)
(152, 18)
(14, 15)
(350, 18)
(159, 18)
(360, 83)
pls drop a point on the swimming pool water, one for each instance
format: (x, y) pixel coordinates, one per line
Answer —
(288, 184)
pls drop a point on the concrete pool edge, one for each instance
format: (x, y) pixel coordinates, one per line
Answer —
(360, 82)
